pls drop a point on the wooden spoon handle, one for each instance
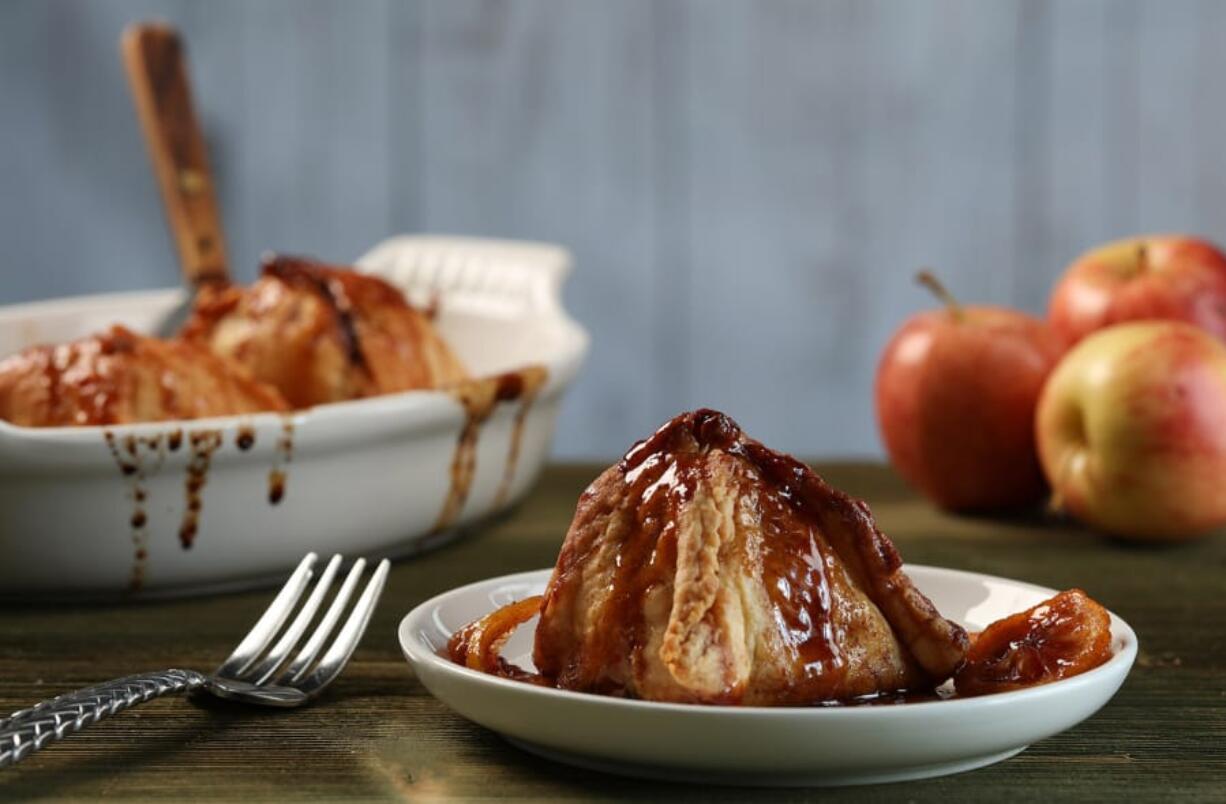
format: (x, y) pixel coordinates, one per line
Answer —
(157, 73)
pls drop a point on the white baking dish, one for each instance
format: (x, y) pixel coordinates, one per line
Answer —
(101, 511)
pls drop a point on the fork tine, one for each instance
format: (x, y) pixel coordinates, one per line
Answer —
(302, 662)
(266, 667)
(270, 621)
(337, 656)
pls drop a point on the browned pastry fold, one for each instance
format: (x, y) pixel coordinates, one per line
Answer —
(321, 333)
(119, 377)
(707, 568)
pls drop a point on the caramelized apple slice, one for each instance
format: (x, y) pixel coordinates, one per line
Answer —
(478, 644)
(1061, 637)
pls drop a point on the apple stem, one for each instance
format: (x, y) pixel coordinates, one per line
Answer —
(1142, 258)
(929, 280)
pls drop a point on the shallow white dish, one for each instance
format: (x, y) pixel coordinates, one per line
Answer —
(760, 745)
(368, 477)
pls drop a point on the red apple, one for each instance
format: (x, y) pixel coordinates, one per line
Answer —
(1132, 431)
(1164, 277)
(956, 392)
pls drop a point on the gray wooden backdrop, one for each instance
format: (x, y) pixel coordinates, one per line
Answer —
(747, 186)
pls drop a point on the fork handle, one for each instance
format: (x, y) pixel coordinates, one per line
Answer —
(24, 732)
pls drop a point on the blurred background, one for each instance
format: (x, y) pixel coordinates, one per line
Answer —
(747, 187)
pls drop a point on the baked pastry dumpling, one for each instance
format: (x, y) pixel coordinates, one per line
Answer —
(119, 377)
(707, 568)
(321, 333)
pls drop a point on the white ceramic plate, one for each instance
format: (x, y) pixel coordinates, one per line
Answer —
(760, 745)
(369, 477)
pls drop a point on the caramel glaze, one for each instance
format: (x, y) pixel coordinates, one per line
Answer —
(244, 439)
(478, 398)
(278, 474)
(131, 452)
(203, 444)
(799, 508)
(129, 456)
(531, 380)
(335, 288)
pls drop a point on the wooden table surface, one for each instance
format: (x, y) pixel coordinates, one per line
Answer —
(379, 735)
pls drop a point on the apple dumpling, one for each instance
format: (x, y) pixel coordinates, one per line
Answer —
(707, 568)
(320, 333)
(119, 377)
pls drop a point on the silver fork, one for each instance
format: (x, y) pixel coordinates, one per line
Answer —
(254, 673)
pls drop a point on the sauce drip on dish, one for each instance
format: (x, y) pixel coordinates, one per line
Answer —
(532, 380)
(278, 474)
(478, 399)
(131, 454)
(130, 464)
(203, 444)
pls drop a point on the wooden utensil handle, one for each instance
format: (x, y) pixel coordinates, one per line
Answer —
(157, 73)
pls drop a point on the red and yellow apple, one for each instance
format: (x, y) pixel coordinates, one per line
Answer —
(956, 392)
(1160, 277)
(1131, 428)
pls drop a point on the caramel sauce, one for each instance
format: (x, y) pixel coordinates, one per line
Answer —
(796, 562)
(531, 380)
(285, 453)
(130, 457)
(244, 439)
(334, 288)
(478, 398)
(203, 444)
(276, 486)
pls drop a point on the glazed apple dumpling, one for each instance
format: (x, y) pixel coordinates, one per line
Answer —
(119, 377)
(321, 333)
(707, 568)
